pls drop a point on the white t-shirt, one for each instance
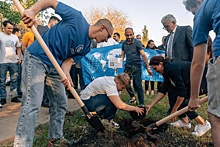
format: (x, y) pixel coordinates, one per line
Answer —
(102, 85)
(8, 44)
(110, 42)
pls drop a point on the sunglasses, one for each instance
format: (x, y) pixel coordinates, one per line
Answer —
(109, 35)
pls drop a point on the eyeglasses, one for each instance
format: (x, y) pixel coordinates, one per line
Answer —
(166, 27)
(109, 35)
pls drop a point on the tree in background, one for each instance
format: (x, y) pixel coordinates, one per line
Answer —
(118, 18)
(9, 11)
(145, 36)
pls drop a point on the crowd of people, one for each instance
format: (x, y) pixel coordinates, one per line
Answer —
(186, 56)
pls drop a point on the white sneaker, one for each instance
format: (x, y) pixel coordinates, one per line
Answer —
(152, 92)
(180, 124)
(116, 125)
(147, 92)
(0, 105)
(201, 129)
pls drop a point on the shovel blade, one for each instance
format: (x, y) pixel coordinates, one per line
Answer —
(150, 127)
(93, 119)
(95, 122)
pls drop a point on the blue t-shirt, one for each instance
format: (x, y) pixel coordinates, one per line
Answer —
(206, 19)
(67, 39)
(132, 52)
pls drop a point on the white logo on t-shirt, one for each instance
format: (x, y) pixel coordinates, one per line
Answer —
(78, 49)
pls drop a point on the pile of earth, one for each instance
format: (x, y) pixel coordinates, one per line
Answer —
(129, 136)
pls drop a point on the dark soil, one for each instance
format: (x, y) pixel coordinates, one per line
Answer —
(129, 136)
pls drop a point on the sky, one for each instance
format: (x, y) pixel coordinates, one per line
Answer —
(142, 12)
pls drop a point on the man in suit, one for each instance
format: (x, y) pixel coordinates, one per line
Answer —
(178, 43)
(162, 46)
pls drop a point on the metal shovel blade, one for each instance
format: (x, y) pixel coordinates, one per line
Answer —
(93, 119)
(95, 122)
(169, 117)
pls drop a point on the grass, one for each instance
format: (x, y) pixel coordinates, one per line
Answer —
(75, 123)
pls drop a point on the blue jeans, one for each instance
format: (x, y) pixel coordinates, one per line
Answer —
(35, 71)
(19, 79)
(102, 105)
(135, 74)
(13, 70)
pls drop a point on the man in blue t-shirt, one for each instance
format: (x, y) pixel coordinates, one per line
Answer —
(207, 18)
(68, 41)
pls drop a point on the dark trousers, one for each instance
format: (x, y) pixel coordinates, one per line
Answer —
(147, 85)
(19, 79)
(76, 75)
(172, 96)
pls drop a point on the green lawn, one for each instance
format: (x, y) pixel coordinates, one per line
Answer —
(75, 123)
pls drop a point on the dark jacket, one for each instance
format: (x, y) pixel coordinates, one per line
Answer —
(182, 49)
(177, 78)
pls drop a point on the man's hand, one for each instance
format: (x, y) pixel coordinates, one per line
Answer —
(19, 61)
(66, 66)
(193, 104)
(28, 17)
(150, 71)
(66, 81)
(148, 107)
(139, 111)
(173, 119)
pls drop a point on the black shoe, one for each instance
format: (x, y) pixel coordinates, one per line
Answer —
(20, 94)
(3, 101)
(16, 100)
(45, 104)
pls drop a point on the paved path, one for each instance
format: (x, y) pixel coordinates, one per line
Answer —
(9, 117)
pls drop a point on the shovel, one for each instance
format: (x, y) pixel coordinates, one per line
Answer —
(92, 117)
(177, 113)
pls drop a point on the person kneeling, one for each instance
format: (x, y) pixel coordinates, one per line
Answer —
(102, 96)
(177, 84)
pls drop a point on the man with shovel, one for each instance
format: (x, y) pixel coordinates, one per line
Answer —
(207, 18)
(68, 41)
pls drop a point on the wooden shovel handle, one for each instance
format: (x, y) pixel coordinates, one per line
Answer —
(177, 113)
(49, 55)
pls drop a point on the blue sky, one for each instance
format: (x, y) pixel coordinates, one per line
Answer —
(142, 12)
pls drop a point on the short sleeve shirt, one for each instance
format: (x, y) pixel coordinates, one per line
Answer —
(28, 38)
(206, 19)
(132, 52)
(102, 85)
(8, 45)
(67, 39)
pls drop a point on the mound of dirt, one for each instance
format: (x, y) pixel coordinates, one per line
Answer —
(129, 136)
